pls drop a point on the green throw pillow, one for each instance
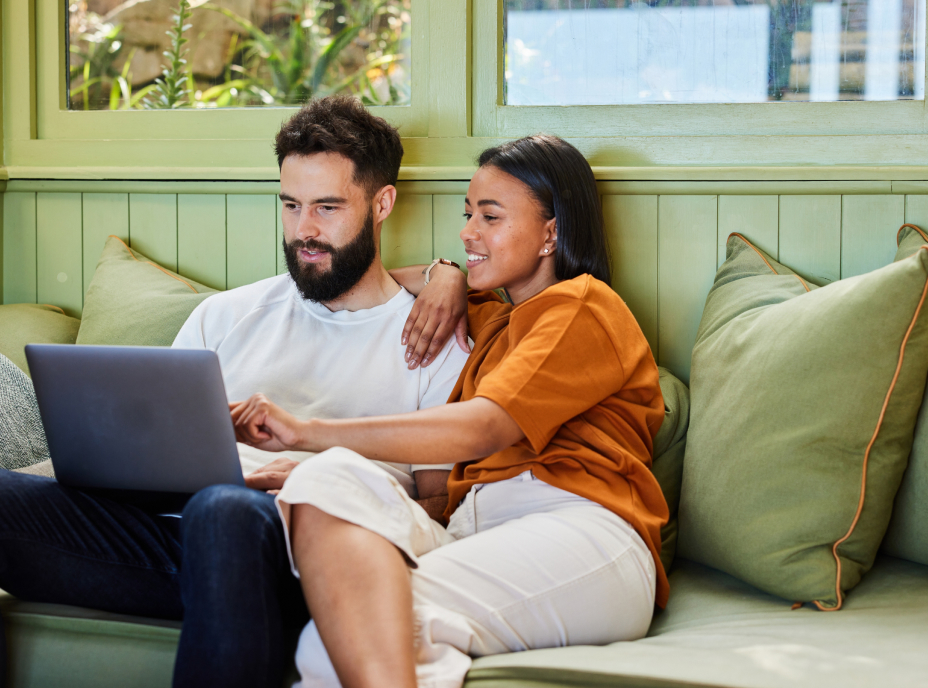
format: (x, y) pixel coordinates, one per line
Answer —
(29, 323)
(907, 536)
(909, 239)
(133, 301)
(669, 446)
(803, 406)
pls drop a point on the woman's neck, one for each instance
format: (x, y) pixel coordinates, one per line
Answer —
(540, 281)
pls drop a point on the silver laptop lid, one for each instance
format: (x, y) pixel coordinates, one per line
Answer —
(135, 418)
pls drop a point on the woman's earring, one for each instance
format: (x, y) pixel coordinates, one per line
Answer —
(546, 250)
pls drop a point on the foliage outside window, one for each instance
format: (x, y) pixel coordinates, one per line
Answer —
(144, 54)
(600, 52)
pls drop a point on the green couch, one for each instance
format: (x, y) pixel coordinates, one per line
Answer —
(715, 631)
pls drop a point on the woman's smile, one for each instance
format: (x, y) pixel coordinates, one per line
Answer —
(474, 259)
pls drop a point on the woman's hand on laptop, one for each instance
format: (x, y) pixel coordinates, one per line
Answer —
(271, 478)
(261, 423)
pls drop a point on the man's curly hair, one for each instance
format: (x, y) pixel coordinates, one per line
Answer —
(340, 124)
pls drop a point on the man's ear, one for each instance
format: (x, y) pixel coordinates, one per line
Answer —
(383, 203)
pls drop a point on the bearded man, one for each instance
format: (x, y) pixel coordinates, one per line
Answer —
(326, 340)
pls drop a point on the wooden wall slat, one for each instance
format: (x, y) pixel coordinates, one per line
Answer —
(19, 258)
(153, 227)
(916, 211)
(631, 227)
(754, 217)
(59, 255)
(406, 236)
(201, 238)
(251, 236)
(687, 239)
(447, 223)
(281, 260)
(810, 236)
(104, 214)
(868, 232)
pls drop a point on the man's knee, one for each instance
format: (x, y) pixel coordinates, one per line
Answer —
(229, 515)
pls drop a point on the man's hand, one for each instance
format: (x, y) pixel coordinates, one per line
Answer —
(440, 311)
(260, 423)
(271, 478)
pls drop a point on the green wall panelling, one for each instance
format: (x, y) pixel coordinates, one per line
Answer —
(916, 211)
(406, 236)
(754, 217)
(103, 214)
(810, 236)
(447, 223)
(868, 232)
(281, 261)
(59, 255)
(687, 237)
(251, 236)
(19, 260)
(153, 227)
(631, 227)
(201, 238)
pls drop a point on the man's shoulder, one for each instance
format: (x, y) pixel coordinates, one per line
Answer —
(250, 296)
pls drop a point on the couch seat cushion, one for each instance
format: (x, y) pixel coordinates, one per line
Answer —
(718, 631)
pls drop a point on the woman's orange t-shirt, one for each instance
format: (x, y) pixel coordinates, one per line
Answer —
(572, 368)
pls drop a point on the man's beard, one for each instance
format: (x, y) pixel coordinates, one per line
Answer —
(348, 264)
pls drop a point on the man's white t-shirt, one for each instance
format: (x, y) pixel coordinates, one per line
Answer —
(316, 363)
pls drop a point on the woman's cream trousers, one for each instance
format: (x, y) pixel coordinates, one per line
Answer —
(522, 565)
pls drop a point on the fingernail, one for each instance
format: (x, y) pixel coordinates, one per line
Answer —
(407, 357)
(426, 360)
(404, 341)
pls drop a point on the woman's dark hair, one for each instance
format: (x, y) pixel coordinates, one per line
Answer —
(340, 124)
(560, 179)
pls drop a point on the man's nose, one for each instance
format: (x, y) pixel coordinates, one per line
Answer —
(306, 228)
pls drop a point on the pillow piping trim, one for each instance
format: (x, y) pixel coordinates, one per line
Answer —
(57, 308)
(915, 227)
(863, 483)
(154, 265)
(754, 248)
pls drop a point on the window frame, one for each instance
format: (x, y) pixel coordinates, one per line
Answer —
(493, 118)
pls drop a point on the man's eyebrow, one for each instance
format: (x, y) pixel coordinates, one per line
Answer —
(326, 200)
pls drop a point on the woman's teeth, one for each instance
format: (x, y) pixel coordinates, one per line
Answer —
(475, 257)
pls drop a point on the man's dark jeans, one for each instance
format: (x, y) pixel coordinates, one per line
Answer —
(223, 569)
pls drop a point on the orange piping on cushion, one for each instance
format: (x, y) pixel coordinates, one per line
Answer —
(154, 265)
(57, 308)
(801, 281)
(915, 227)
(876, 432)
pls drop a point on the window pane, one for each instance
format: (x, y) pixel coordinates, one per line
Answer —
(591, 52)
(236, 53)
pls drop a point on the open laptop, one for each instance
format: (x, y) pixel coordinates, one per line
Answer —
(151, 424)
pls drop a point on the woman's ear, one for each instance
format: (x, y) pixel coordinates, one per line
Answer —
(550, 237)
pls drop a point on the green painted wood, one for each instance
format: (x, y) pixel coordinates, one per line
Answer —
(153, 227)
(201, 238)
(406, 236)
(631, 227)
(19, 259)
(59, 258)
(810, 236)
(251, 235)
(687, 233)
(754, 217)
(447, 223)
(104, 214)
(868, 232)
(281, 260)
(916, 210)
